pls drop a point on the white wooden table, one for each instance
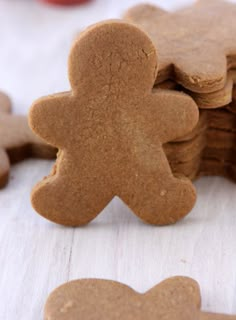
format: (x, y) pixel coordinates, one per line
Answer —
(36, 255)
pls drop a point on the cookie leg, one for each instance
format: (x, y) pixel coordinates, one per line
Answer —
(161, 202)
(63, 200)
(4, 168)
(153, 193)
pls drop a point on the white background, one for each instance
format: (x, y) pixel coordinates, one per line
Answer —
(35, 255)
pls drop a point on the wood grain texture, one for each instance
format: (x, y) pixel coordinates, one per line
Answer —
(35, 255)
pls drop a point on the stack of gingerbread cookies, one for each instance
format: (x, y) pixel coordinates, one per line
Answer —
(210, 148)
(197, 55)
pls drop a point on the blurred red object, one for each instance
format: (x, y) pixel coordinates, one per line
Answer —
(65, 2)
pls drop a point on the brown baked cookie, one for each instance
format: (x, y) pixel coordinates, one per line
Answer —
(199, 129)
(216, 99)
(212, 167)
(176, 298)
(110, 130)
(181, 152)
(190, 169)
(5, 103)
(209, 149)
(16, 140)
(232, 106)
(222, 119)
(221, 155)
(194, 48)
(210, 100)
(221, 139)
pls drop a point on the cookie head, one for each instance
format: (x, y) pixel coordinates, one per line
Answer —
(111, 56)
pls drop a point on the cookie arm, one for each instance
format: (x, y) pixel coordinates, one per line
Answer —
(144, 12)
(176, 114)
(4, 167)
(5, 103)
(211, 72)
(186, 289)
(48, 118)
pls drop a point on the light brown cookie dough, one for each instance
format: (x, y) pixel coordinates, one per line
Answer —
(110, 129)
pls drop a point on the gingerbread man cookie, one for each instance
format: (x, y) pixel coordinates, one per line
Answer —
(16, 140)
(176, 298)
(110, 129)
(196, 45)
